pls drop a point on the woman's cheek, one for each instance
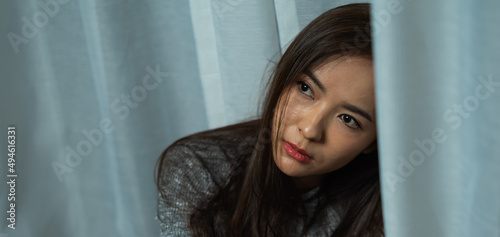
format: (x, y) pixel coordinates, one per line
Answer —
(341, 140)
(295, 108)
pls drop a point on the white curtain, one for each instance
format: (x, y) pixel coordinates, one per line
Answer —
(437, 69)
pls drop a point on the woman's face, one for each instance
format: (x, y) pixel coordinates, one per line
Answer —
(330, 115)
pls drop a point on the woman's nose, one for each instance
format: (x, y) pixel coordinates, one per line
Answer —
(311, 124)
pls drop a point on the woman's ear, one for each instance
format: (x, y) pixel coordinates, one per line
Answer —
(370, 148)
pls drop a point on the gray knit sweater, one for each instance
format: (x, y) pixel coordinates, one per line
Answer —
(194, 169)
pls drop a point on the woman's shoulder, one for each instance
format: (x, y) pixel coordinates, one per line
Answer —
(216, 151)
(194, 168)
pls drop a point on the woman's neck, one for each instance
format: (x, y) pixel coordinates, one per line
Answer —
(305, 184)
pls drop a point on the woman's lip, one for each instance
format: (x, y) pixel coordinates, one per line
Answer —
(295, 147)
(299, 154)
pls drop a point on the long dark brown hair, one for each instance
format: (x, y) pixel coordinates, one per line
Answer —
(259, 199)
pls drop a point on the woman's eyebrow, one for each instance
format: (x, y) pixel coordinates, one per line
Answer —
(315, 80)
(357, 110)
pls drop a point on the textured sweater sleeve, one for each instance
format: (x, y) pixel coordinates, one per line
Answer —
(185, 182)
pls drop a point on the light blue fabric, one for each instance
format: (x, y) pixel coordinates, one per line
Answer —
(438, 96)
(97, 89)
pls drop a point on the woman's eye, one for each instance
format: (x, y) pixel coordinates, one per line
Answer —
(350, 121)
(304, 88)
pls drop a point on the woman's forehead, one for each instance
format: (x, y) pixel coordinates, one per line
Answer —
(353, 76)
(347, 81)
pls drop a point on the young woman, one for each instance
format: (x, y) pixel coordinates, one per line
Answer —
(307, 167)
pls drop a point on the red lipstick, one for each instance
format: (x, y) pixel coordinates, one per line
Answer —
(295, 152)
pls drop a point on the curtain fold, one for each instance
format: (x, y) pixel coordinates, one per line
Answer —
(208, 61)
(437, 82)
